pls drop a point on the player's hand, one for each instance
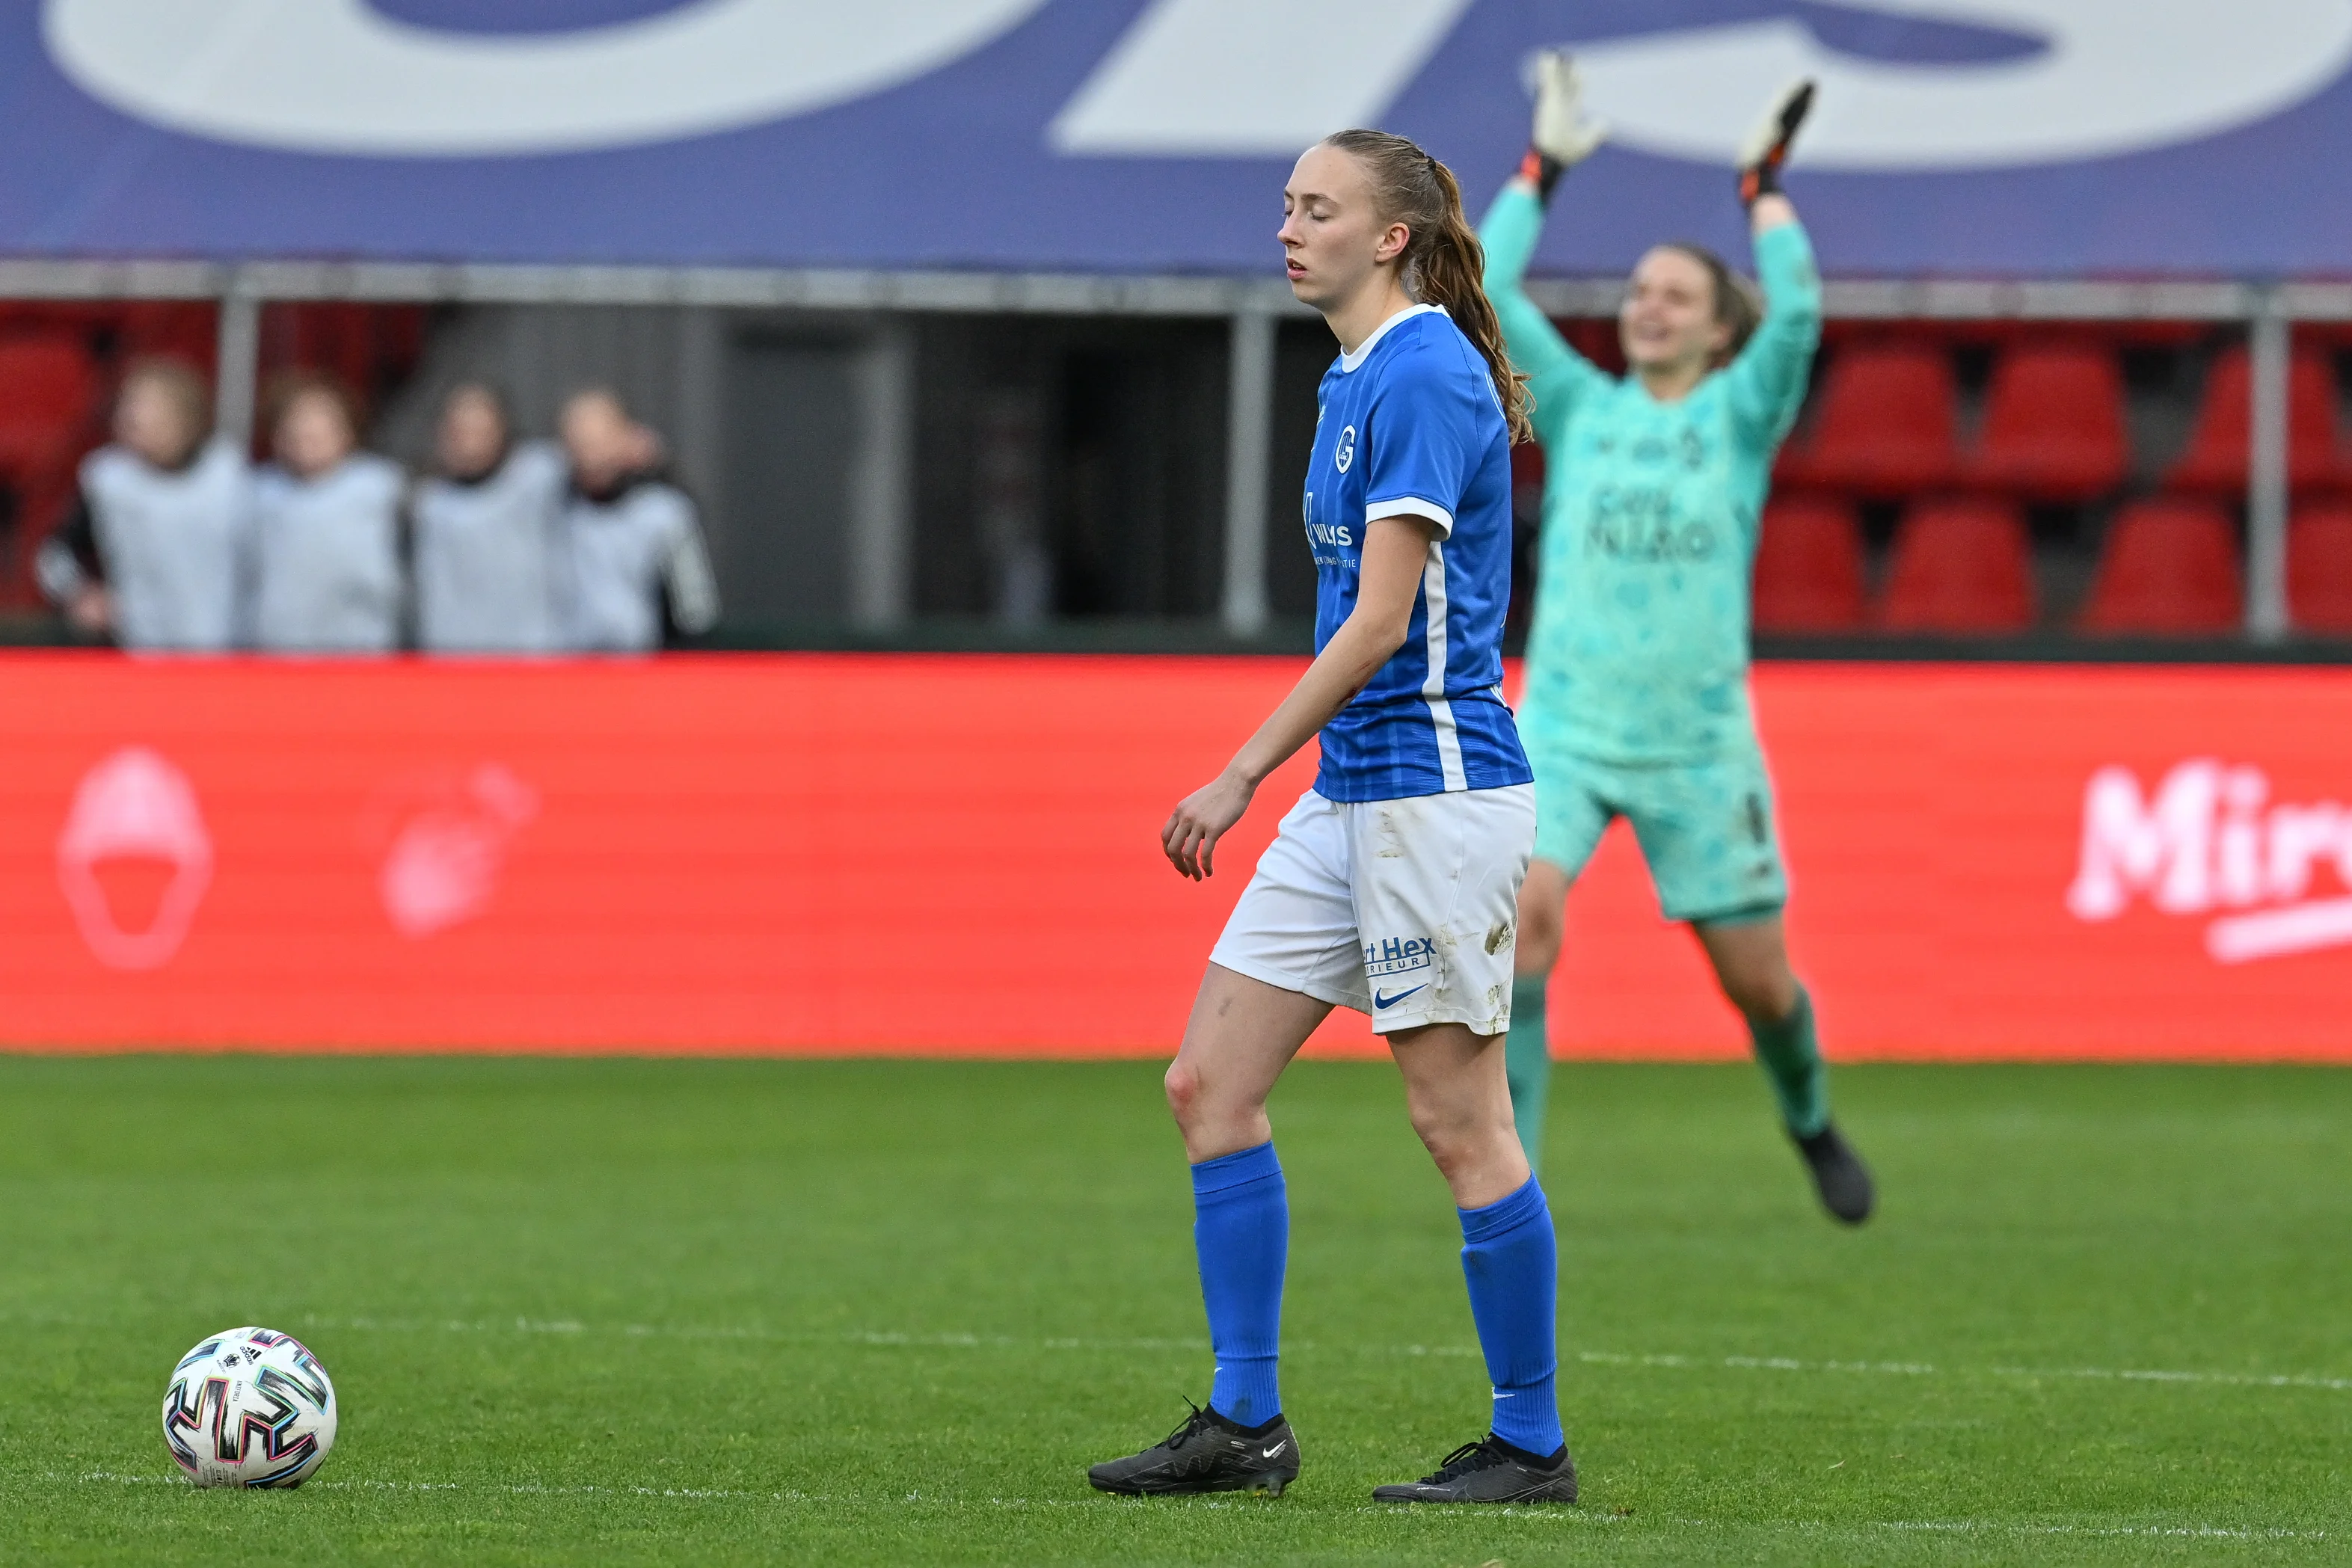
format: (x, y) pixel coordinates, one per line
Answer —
(91, 611)
(1200, 819)
(1767, 148)
(1563, 132)
(647, 449)
(1562, 137)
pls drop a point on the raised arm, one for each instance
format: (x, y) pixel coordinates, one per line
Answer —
(1767, 381)
(1561, 138)
(693, 586)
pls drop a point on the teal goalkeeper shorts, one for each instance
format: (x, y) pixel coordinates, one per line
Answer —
(1705, 828)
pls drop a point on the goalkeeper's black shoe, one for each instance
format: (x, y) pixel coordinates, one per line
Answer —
(1839, 1175)
(1490, 1470)
(1206, 1453)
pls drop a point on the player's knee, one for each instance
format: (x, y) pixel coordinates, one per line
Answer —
(1454, 1155)
(1435, 1132)
(1540, 941)
(1451, 1138)
(1184, 1086)
(1541, 927)
(1764, 993)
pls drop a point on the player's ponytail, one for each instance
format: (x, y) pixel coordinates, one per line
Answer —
(1444, 263)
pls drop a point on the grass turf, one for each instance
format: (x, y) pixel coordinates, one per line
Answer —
(886, 1312)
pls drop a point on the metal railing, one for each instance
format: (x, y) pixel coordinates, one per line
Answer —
(2269, 311)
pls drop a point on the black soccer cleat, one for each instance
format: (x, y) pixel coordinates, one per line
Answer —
(1839, 1175)
(1206, 1453)
(1490, 1470)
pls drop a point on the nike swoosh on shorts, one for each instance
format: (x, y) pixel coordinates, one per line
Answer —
(1380, 1001)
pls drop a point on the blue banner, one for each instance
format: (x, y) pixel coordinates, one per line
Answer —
(2042, 138)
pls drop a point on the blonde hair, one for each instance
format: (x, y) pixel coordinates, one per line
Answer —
(1444, 263)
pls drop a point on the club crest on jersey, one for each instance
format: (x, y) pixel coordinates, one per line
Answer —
(1344, 454)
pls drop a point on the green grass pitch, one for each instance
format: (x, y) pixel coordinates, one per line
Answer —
(886, 1312)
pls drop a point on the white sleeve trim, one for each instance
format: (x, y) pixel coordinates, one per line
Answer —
(59, 575)
(1411, 506)
(693, 590)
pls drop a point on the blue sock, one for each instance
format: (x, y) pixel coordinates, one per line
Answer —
(1240, 1228)
(1512, 1262)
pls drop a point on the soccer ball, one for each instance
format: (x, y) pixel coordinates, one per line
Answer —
(250, 1407)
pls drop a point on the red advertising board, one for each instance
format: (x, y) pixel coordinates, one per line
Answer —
(815, 853)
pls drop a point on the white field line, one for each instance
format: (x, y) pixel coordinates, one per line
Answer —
(2191, 1532)
(1589, 1357)
(1925, 1369)
(1554, 1515)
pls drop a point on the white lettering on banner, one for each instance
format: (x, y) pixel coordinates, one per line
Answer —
(1247, 78)
(2160, 847)
(335, 76)
(134, 805)
(1187, 79)
(1240, 78)
(2203, 842)
(2117, 76)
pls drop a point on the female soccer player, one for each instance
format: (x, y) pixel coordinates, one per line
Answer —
(631, 564)
(485, 533)
(327, 572)
(155, 553)
(1637, 700)
(1392, 886)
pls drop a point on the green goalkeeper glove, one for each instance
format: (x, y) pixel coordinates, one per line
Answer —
(1562, 137)
(1767, 145)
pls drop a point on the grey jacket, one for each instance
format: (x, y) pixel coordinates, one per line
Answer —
(620, 554)
(327, 574)
(171, 546)
(483, 557)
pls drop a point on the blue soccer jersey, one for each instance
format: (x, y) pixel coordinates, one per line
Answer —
(1409, 424)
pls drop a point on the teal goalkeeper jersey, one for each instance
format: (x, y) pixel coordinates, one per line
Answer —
(1639, 650)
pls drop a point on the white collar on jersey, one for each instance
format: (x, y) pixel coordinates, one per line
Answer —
(1347, 362)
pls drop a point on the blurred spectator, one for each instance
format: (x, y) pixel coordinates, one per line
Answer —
(155, 552)
(326, 530)
(627, 536)
(484, 533)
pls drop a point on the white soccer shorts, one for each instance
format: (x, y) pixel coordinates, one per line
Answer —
(1407, 909)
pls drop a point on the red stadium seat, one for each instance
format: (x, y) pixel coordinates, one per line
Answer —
(1885, 427)
(48, 391)
(183, 329)
(1808, 567)
(366, 347)
(58, 318)
(2167, 567)
(1960, 566)
(2053, 425)
(328, 337)
(2320, 567)
(2215, 463)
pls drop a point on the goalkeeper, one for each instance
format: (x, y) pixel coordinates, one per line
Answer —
(1636, 697)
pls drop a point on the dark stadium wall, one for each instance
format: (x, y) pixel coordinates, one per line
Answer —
(958, 855)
